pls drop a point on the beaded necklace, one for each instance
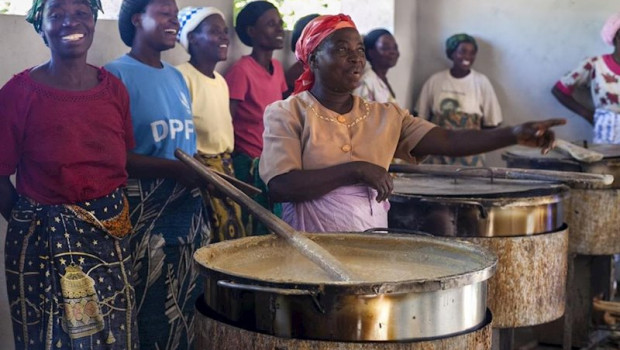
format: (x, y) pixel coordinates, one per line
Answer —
(341, 119)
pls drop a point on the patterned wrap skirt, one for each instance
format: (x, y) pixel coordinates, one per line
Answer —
(246, 170)
(606, 126)
(68, 277)
(224, 213)
(169, 225)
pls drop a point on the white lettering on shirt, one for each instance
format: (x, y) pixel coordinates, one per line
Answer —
(189, 128)
(155, 129)
(161, 129)
(185, 102)
(175, 126)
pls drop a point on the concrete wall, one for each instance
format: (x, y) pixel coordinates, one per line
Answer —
(525, 46)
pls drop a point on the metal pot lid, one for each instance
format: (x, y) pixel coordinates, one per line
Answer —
(383, 263)
(609, 151)
(424, 185)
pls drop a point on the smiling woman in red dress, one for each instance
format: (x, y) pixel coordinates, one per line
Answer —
(65, 127)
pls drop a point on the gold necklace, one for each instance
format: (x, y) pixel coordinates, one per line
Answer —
(341, 119)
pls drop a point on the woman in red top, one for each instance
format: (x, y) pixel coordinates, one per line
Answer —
(65, 126)
(255, 81)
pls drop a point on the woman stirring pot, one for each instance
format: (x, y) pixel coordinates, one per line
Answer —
(326, 151)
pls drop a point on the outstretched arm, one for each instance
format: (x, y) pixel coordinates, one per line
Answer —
(457, 143)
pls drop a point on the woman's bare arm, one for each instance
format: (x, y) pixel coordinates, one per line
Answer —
(139, 166)
(457, 143)
(8, 196)
(571, 103)
(304, 185)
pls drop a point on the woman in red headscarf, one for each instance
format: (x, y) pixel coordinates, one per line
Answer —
(326, 151)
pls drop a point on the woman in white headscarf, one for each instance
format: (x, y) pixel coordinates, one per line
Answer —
(601, 75)
(204, 34)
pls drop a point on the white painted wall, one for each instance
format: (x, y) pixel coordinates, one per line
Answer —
(401, 77)
(525, 46)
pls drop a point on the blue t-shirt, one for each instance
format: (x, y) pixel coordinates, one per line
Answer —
(160, 106)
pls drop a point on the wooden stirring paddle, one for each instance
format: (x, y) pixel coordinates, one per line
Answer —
(566, 177)
(579, 153)
(303, 244)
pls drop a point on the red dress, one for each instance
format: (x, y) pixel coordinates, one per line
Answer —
(68, 146)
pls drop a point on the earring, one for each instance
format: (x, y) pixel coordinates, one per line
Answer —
(135, 19)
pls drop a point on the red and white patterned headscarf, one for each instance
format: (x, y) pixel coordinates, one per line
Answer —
(311, 37)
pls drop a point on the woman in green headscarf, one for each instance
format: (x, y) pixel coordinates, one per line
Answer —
(35, 14)
(66, 126)
(460, 97)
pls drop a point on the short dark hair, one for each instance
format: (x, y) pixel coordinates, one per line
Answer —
(370, 39)
(248, 16)
(125, 26)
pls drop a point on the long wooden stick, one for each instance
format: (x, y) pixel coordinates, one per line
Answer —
(246, 188)
(303, 244)
(567, 177)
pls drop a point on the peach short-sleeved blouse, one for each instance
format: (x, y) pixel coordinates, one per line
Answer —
(301, 134)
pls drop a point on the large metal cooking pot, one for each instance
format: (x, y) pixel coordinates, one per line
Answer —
(475, 207)
(592, 213)
(521, 222)
(410, 287)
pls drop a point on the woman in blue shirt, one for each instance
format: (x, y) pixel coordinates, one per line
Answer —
(166, 208)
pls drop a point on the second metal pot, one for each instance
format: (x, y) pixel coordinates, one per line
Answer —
(476, 207)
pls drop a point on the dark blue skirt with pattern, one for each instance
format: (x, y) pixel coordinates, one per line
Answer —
(68, 277)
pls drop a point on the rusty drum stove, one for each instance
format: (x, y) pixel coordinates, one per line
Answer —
(593, 216)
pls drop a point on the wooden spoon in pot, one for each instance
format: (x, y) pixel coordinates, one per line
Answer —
(572, 179)
(303, 244)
